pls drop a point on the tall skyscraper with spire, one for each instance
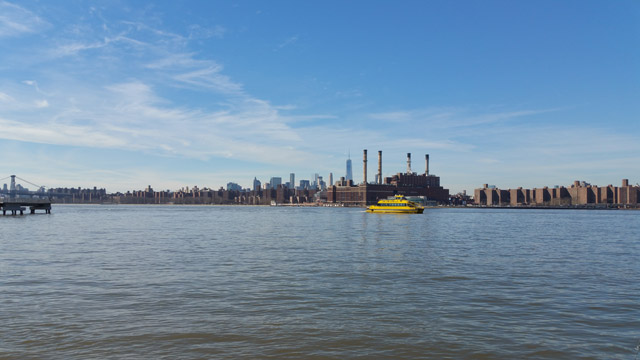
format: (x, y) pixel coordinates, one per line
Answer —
(349, 175)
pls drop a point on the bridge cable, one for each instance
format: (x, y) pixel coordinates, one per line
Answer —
(28, 182)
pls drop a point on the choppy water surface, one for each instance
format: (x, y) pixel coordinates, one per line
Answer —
(261, 282)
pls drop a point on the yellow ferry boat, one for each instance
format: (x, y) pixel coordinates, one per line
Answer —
(398, 205)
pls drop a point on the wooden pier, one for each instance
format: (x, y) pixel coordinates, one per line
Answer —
(19, 205)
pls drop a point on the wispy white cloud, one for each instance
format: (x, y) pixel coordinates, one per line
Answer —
(16, 20)
(560, 140)
(132, 116)
(455, 117)
(287, 42)
(35, 86)
(494, 117)
(486, 160)
(162, 35)
(178, 61)
(292, 119)
(6, 98)
(57, 135)
(394, 116)
(200, 32)
(74, 47)
(211, 78)
(42, 104)
(349, 94)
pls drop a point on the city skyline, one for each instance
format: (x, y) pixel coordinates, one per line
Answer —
(121, 95)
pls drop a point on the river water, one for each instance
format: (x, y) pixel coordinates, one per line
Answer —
(229, 282)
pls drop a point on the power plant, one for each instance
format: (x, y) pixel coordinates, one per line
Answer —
(410, 183)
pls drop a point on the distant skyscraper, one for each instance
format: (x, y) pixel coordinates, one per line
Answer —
(292, 180)
(330, 179)
(275, 181)
(256, 184)
(349, 175)
(305, 184)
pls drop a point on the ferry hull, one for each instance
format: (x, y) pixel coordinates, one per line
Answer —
(395, 211)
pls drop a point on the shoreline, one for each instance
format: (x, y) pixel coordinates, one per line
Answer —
(307, 205)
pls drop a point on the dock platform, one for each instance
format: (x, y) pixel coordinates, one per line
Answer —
(18, 205)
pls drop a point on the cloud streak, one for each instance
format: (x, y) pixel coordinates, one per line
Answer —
(16, 21)
(132, 116)
(443, 118)
(287, 42)
(211, 78)
(57, 135)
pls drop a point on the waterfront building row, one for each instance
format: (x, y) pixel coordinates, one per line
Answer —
(578, 194)
(196, 196)
(78, 195)
(343, 192)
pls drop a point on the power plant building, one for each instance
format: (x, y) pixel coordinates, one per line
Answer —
(408, 184)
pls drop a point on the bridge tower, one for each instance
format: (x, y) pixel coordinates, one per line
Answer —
(12, 188)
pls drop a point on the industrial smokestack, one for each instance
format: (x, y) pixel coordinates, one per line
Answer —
(426, 160)
(364, 161)
(408, 163)
(379, 167)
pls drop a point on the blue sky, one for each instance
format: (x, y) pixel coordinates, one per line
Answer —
(125, 94)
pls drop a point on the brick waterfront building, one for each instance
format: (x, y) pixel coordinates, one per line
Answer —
(580, 193)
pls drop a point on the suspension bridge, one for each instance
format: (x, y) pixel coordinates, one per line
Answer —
(16, 198)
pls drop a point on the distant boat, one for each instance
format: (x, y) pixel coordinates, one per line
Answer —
(398, 205)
